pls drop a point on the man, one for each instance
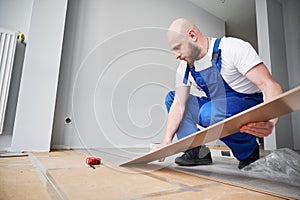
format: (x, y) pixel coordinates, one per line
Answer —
(233, 77)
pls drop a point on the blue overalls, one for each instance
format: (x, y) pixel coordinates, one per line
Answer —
(221, 102)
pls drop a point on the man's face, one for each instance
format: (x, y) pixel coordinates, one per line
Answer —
(183, 47)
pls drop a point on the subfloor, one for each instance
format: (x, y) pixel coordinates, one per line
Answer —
(65, 175)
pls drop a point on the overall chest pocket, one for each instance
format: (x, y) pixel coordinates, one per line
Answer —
(208, 77)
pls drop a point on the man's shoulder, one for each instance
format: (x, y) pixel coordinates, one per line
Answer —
(234, 45)
(232, 41)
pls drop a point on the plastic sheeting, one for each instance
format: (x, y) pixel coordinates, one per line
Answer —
(282, 165)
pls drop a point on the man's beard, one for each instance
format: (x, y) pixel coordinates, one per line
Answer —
(195, 53)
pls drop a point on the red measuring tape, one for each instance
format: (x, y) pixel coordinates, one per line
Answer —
(93, 161)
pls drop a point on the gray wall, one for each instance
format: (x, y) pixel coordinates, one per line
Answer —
(292, 37)
(107, 45)
(244, 26)
(278, 39)
(116, 70)
(284, 136)
(104, 53)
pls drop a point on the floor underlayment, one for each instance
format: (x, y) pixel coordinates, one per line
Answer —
(65, 175)
(263, 176)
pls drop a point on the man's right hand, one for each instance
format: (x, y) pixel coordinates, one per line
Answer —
(159, 146)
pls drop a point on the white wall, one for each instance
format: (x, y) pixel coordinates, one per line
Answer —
(116, 70)
(15, 15)
(35, 109)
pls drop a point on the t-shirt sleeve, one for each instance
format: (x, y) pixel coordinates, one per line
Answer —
(180, 74)
(245, 57)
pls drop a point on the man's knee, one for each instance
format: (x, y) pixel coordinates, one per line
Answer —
(210, 116)
(169, 99)
(205, 119)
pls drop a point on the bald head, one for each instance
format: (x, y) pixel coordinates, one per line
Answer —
(181, 26)
(186, 40)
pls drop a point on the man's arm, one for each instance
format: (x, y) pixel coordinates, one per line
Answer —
(176, 112)
(261, 77)
(175, 115)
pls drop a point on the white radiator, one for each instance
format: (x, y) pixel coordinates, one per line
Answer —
(8, 43)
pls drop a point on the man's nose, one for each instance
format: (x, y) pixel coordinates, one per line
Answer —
(177, 55)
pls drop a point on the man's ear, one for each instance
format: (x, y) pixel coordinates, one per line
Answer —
(192, 35)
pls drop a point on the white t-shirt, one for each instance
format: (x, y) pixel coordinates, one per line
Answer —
(238, 57)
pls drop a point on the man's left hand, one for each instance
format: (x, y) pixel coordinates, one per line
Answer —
(259, 129)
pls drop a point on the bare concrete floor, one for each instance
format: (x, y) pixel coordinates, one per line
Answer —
(65, 175)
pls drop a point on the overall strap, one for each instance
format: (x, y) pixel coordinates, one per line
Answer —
(186, 75)
(216, 56)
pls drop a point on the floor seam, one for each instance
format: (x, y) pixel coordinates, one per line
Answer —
(52, 188)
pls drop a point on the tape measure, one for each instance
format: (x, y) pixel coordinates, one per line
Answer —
(93, 161)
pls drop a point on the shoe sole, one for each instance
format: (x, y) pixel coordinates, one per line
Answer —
(182, 162)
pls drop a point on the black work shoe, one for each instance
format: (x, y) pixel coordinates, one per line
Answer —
(253, 157)
(197, 156)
